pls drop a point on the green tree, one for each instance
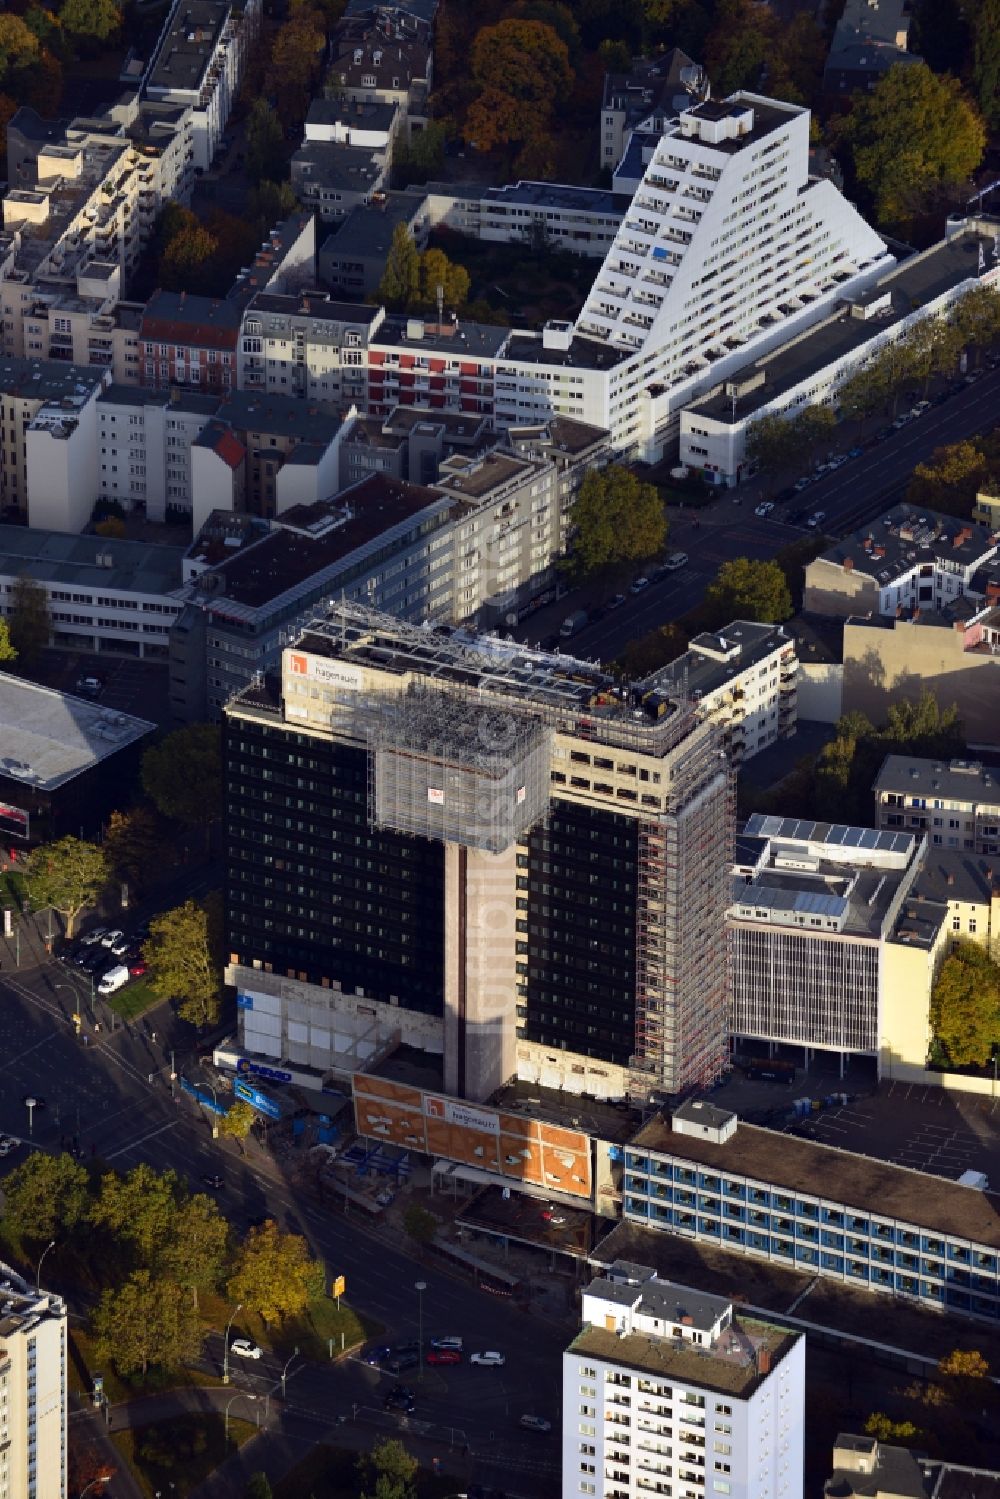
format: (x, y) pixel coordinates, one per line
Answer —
(67, 875)
(146, 1321)
(265, 153)
(914, 133)
(421, 1225)
(270, 202)
(616, 519)
(772, 443)
(976, 317)
(986, 59)
(861, 394)
(421, 157)
(949, 480)
(437, 270)
(182, 963)
(46, 1196)
(140, 1209)
(749, 589)
(274, 1274)
(400, 284)
(901, 1432)
(388, 1471)
(95, 20)
(965, 1006)
(131, 843)
(196, 1253)
(742, 39)
(7, 651)
(238, 1121)
(183, 775)
(29, 622)
(922, 727)
(650, 652)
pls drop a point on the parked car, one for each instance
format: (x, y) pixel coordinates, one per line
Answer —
(551, 1214)
(137, 967)
(444, 1356)
(638, 584)
(377, 1355)
(116, 978)
(215, 1182)
(89, 938)
(398, 1363)
(803, 483)
(764, 508)
(110, 938)
(399, 1398)
(243, 1348)
(617, 601)
(488, 1360)
(535, 1423)
(89, 686)
(816, 519)
(676, 560)
(448, 1341)
(838, 461)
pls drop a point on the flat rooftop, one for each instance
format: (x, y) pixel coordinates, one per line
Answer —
(48, 380)
(49, 737)
(556, 195)
(583, 353)
(476, 478)
(186, 50)
(310, 540)
(336, 165)
(315, 305)
(728, 1370)
(768, 116)
(744, 642)
(60, 557)
(911, 284)
(460, 339)
(279, 416)
(946, 780)
(838, 1176)
(605, 1121)
(367, 230)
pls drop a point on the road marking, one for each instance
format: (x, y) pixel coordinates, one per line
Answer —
(134, 1144)
(21, 1054)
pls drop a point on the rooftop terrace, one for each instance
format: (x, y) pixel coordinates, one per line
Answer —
(727, 1367)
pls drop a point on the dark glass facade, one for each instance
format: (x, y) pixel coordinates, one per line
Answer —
(577, 893)
(315, 892)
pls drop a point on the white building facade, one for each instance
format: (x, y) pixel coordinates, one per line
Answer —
(33, 1457)
(667, 1391)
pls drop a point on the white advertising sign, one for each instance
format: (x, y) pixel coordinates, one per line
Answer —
(319, 669)
(460, 1113)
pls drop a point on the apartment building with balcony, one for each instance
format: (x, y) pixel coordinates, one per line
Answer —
(33, 1410)
(189, 340)
(907, 560)
(307, 345)
(145, 439)
(704, 1175)
(670, 1390)
(449, 366)
(954, 804)
(742, 677)
(199, 63)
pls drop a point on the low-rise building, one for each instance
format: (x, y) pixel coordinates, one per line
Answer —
(330, 180)
(64, 765)
(352, 257)
(199, 64)
(543, 215)
(869, 39)
(410, 443)
(871, 1225)
(383, 57)
(190, 340)
(813, 908)
(954, 651)
(33, 1413)
(103, 594)
(291, 451)
(661, 1381)
(907, 560)
(954, 803)
(865, 1468)
(744, 677)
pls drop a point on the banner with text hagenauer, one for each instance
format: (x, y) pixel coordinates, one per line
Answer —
(512, 1145)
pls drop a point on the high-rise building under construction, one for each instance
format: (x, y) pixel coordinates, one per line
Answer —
(500, 856)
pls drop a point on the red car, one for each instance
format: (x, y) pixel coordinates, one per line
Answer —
(137, 968)
(444, 1356)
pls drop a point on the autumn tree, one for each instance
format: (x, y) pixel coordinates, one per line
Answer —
(29, 622)
(265, 150)
(8, 652)
(67, 875)
(90, 20)
(617, 519)
(966, 1370)
(196, 1253)
(522, 71)
(884, 1429)
(18, 45)
(796, 60)
(650, 652)
(437, 270)
(148, 1320)
(184, 963)
(419, 1224)
(45, 1197)
(986, 59)
(965, 1006)
(748, 589)
(131, 842)
(186, 253)
(238, 1121)
(140, 1209)
(949, 480)
(183, 775)
(388, 1471)
(274, 1274)
(400, 284)
(914, 133)
(975, 317)
(295, 60)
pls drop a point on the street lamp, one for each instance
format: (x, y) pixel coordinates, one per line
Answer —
(225, 1355)
(420, 1287)
(240, 1395)
(284, 1372)
(31, 1103)
(103, 1478)
(38, 1277)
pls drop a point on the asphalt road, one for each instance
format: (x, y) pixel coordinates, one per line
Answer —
(100, 1094)
(857, 492)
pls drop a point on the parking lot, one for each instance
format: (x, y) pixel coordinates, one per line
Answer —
(924, 1128)
(130, 685)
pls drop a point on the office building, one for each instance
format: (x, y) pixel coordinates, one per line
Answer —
(869, 1224)
(814, 907)
(742, 677)
(954, 804)
(199, 64)
(65, 761)
(33, 1411)
(103, 593)
(907, 560)
(543, 215)
(500, 856)
(669, 1390)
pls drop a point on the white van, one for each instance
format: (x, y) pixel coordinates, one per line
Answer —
(114, 979)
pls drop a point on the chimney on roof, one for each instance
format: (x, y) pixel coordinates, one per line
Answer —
(899, 611)
(916, 614)
(949, 879)
(988, 871)
(848, 564)
(763, 1360)
(687, 1321)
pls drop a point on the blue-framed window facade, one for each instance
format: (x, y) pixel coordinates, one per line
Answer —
(795, 1228)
